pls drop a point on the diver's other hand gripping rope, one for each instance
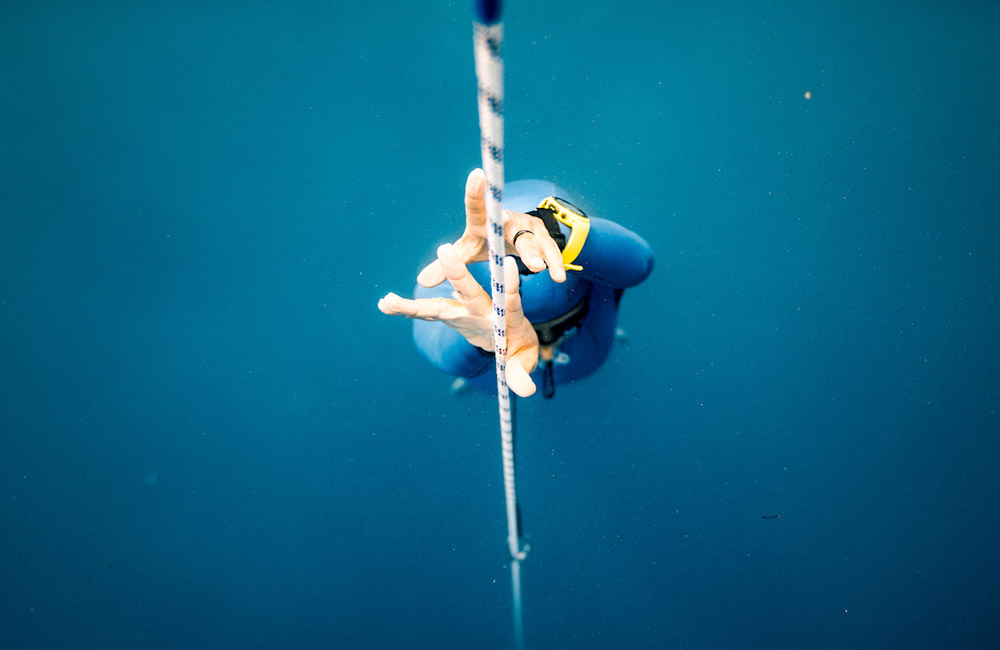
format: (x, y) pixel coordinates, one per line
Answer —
(488, 41)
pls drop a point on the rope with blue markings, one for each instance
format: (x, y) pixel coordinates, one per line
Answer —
(488, 45)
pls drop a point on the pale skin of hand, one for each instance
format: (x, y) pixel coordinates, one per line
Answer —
(471, 314)
(538, 250)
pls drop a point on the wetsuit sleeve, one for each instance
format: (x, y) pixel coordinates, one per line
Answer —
(614, 256)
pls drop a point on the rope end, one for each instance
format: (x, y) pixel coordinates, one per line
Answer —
(488, 11)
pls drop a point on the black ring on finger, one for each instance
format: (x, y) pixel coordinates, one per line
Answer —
(519, 233)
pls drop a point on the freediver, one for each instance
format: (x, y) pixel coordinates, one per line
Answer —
(561, 325)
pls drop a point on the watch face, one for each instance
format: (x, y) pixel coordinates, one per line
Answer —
(569, 206)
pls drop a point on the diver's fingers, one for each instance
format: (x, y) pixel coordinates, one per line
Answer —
(468, 290)
(518, 378)
(389, 304)
(423, 308)
(524, 239)
(475, 204)
(522, 342)
(549, 249)
(521, 337)
(531, 240)
(432, 275)
(468, 248)
(512, 294)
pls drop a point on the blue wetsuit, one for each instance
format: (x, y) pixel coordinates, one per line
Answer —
(613, 259)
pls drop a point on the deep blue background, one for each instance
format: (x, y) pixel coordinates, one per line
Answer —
(212, 438)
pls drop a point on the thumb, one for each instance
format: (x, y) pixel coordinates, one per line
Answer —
(518, 378)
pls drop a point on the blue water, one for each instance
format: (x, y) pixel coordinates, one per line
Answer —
(211, 438)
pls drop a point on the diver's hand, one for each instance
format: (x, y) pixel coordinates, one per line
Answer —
(536, 248)
(471, 314)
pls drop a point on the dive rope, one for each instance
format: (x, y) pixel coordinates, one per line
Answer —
(488, 41)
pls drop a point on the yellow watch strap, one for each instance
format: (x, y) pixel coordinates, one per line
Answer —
(579, 226)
